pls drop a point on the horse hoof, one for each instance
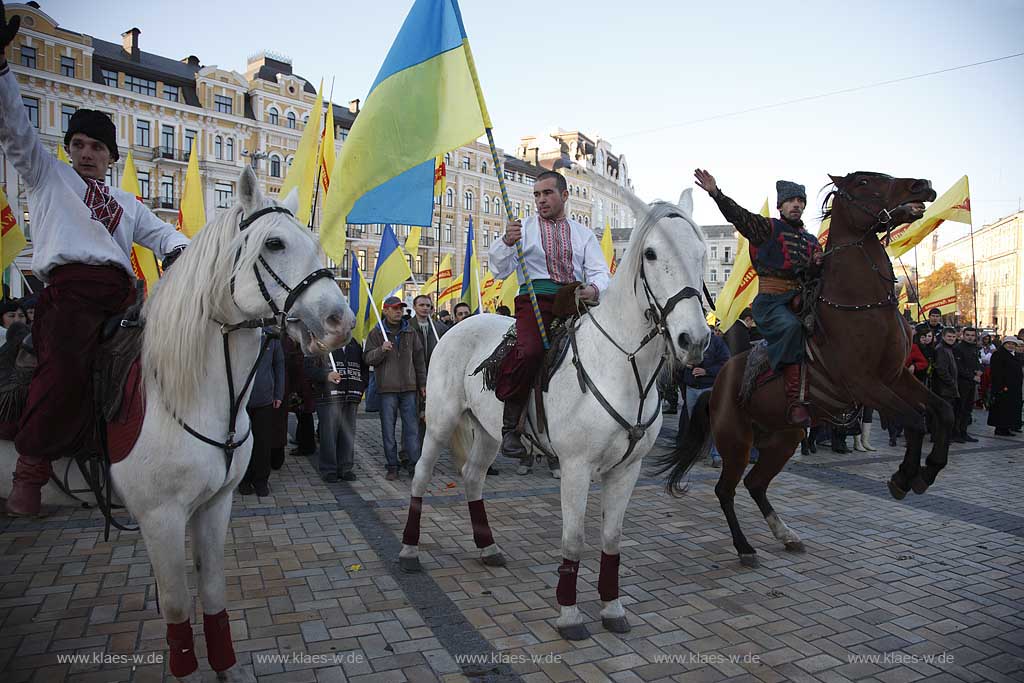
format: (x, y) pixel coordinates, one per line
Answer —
(495, 560)
(750, 560)
(919, 485)
(574, 632)
(616, 624)
(410, 565)
(796, 547)
(895, 491)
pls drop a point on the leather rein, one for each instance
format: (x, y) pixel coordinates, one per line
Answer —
(230, 444)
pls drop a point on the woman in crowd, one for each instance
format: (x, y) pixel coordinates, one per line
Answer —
(1007, 375)
(922, 353)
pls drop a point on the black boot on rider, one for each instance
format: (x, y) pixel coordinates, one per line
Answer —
(511, 443)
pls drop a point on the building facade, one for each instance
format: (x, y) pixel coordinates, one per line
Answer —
(721, 243)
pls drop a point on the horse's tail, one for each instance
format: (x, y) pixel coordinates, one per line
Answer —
(461, 443)
(689, 447)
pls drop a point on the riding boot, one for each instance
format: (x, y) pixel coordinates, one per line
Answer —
(797, 413)
(30, 475)
(511, 443)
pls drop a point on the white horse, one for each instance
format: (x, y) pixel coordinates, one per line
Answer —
(232, 272)
(651, 308)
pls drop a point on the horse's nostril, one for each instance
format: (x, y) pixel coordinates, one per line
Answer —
(684, 340)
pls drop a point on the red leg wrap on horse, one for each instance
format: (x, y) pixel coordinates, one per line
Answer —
(608, 580)
(183, 651)
(411, 535)
(219, 650)
(566, 591)
(481, 529)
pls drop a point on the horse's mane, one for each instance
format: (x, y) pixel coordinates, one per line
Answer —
(196, 291)
(629, 268)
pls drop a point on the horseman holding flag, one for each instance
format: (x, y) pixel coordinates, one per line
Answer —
(782, 253)
(82, 239)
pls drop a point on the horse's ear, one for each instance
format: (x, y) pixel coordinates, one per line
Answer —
(638, 206)
(291, 202)
(249, 190)
(833, 178)
(685, 203)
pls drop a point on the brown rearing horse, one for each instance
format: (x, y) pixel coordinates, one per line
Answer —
(861, 347)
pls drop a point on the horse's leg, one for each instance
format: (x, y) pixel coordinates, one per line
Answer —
(911, 392)
(208, 528)
(575, 489)
(942, 416)
(616, 489)
(408, 557)
(774, 454)
(734, 442)
(163, 529)
(474, 472)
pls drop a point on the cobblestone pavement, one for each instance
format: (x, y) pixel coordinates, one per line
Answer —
(930, 588)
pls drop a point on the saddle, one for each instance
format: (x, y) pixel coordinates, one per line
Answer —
(558, 336)
(117, 374)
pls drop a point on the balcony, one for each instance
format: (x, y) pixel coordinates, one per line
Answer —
(170, 153)
(164, 202)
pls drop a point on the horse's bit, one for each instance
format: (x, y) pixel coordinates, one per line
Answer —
(230, 445)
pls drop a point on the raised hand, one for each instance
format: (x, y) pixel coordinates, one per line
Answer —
(8, 29)
(705, 181)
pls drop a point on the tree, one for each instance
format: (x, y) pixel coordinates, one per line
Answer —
(964, 289)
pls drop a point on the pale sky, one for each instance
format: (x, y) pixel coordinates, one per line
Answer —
(615, 69)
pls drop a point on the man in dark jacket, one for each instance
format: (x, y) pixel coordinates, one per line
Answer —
(266, 396)
(944, 372)
(742, 334)
(968, 367)
(339, 380)
(699, 379)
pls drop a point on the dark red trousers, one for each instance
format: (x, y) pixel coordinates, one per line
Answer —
(521, 364)
(58, 419)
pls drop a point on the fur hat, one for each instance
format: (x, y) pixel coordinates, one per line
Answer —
(787, 190)
(96, 125)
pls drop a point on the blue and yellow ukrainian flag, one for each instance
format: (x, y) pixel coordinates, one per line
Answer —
(424, 102)
(358, 301)
(392, 269)
(471, 273)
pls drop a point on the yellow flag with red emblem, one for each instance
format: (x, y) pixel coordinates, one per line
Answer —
(953, 205)
(143, 260)
(943, 298)
(12, 239)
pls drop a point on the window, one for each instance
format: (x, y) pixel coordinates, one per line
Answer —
(727, 273)
(223, 194)
(167, 138)
(142, 138)
(142, 86)
(361, 257)
(110, 175)
(483, 167)
(229, 149)
(273, 116)
(449, 198)
(144, 184)
(497, 206)
(66, 112)
(67, 67)
(291, 119)
(28, 56)
(305, 120)
(275, 166)
(171, 93)
(714, 252)
(448, 159)
(584, 193)
(714, 275)
(486, 204)
(586, 221)
(467, 201)
(725, 257)
(223, 104)
(518, 212)
(448, 232)
(526, 208)
(109, 77)
(378, 229)
(190, 139)
(218, 147)
(167, 192)
(465, 162)
(486, 234)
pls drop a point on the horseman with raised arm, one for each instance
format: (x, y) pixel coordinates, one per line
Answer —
(782, 253)
(82, 235)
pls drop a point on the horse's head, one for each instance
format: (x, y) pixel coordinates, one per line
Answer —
(278, 267)
(879, 202)
(666, 259)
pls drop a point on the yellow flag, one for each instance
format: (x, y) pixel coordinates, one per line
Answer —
(191, 211)
(440, 176)
(903, 299)
(509, 290)
(143, 260)
(12, 239)
(439, 281)
(953, 205)
(302, 173)
(412, 242)
(61, 154)
(607, 248)
(490, 288)
(327, 150)
(943, 298)
(452, 292)
(741, 287)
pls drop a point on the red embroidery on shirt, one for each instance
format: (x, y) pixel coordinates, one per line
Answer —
(103, 206)
(556, 238)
